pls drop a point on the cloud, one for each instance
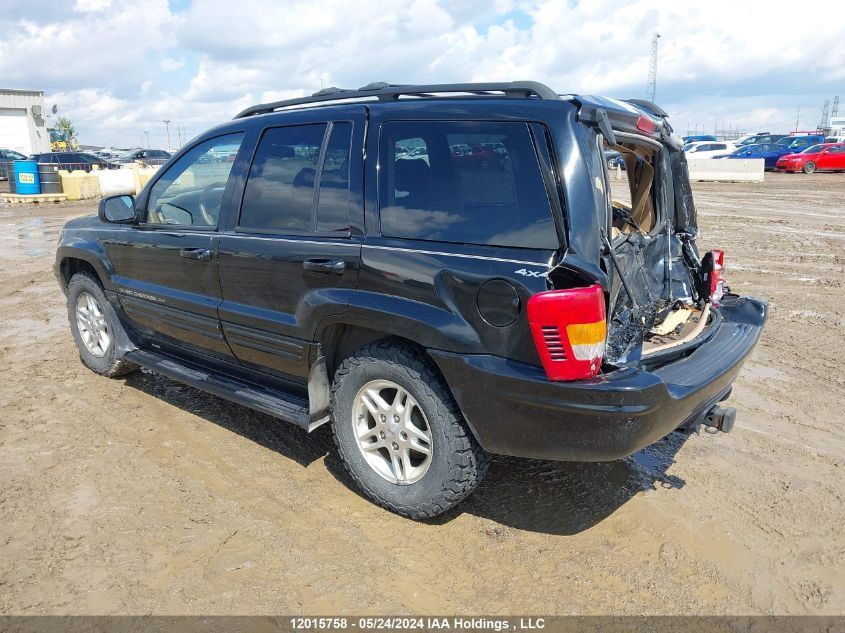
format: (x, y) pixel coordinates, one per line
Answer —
(85, 6)
(203, 63)
(168, 64)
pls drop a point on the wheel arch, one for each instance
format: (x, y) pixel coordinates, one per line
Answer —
(72, 260)
(338, 341)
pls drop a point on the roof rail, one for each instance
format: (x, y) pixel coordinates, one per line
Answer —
(391, 92)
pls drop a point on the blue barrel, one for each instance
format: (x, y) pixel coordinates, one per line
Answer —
(26, 177)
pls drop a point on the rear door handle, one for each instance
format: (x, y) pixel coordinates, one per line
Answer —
(326, 266)
(202, 254)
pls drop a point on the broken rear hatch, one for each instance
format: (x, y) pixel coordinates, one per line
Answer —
(660, 288)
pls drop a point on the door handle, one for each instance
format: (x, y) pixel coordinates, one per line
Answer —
(202, 254)
(326, 266)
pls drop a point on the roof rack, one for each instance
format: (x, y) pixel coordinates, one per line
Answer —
(392, 92)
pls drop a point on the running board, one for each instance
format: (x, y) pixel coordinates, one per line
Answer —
(284, 406)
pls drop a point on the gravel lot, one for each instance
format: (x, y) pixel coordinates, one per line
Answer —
(140, 495)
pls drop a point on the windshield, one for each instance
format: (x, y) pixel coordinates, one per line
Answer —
(747, 148)
(813, 149)
(129, 154)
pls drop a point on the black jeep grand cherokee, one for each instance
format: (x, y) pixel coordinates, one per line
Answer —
(439, 272)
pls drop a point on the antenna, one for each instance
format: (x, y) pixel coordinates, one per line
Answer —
(825, 122)
(651, 87)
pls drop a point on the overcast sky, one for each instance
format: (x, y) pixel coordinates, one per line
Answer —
(118, 68)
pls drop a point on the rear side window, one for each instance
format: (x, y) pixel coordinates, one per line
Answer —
(475, 182)
(279, 194)
(299, 180)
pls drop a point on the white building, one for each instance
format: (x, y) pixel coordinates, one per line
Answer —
(837, 126)
(23, 123)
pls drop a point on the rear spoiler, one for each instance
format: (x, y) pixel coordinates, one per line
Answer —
(648, 106)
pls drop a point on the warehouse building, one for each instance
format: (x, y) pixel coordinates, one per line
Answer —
(23, 124)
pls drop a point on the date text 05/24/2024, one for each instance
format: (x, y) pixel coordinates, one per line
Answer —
(416, 624)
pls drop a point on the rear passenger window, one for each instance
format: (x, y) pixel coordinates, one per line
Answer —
(476, 182)
(279, 194)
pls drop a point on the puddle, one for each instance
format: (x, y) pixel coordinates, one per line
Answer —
(33, 237)
(24, 331)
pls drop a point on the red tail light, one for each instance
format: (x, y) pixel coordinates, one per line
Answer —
(645, 124)
(569, 329)
(717, 283)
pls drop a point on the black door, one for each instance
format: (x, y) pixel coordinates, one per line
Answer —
(167, 266)
(291, 257)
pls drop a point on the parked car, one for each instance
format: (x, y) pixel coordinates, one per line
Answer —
(769, 152)
(431, 312)
(8, 156)
(73, 160)
(157, 155)
(834, 139)
(108, 154)
(760, 137)
(483, 156)
(797, 143)
(614, 159)
(824, 157)
(699, 137)
(708, 149)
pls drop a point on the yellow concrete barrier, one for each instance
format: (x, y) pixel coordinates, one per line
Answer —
(79, 185)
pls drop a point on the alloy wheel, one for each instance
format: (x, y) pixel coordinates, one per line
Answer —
(392, 432)
(92, 326)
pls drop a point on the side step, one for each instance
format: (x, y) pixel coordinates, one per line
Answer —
(281, 405)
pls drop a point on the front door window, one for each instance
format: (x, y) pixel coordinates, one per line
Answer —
(190, 193)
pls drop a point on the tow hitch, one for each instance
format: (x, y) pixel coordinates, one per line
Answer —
(720, 419)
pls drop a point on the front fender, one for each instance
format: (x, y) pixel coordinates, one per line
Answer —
(88, 250)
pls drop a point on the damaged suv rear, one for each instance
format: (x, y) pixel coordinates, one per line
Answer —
(637, 331)
(439, 272)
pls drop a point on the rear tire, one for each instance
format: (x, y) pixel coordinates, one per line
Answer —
(809, 167)
(400, 433)
(94, 327)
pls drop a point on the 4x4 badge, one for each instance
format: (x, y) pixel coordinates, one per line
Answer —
(529, 273)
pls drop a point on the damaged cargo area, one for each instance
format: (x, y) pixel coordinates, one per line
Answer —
(660, 295)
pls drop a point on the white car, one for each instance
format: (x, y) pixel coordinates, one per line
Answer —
(709, 149)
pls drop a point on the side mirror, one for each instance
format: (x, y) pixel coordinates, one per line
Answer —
(118, 210)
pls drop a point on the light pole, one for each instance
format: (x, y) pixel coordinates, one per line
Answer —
(167, 125)
(147, 134)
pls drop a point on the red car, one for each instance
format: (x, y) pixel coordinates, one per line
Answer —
(824, 157)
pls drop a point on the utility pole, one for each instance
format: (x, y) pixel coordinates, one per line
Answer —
(167, 125)
(797, 118)
(835, 111)
(651, 87)
(147, 134)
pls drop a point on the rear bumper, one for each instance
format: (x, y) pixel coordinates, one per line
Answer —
(513, 409)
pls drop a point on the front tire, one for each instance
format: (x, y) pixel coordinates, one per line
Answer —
(94, 327)
(809, 167)
(400, 433)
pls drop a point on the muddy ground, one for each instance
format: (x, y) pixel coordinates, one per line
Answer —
(140, 495)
